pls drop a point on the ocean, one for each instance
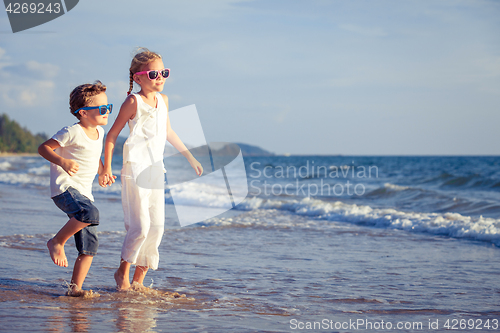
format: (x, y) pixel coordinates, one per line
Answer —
(320, 244)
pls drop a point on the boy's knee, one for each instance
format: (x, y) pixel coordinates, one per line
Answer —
(86, 241)
(85, 256)
(89, 215)
(93, 214)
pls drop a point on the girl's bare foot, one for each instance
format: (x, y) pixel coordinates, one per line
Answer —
(136, 286)
(81, 293)
(57, 253)
(122, 283)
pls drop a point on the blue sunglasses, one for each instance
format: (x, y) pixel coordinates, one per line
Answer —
(102, 109)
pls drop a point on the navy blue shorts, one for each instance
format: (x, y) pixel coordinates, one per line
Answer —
(76, 205)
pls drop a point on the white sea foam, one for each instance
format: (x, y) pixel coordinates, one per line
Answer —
(448, 224)
(394, 187)
(42, 170)
(23, 179)
(5, 166)
(201, 195)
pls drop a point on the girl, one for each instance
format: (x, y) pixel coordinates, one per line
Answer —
(143, 205)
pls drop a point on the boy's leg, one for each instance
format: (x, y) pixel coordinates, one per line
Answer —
(56, 244)
(82, 266)
(122, 277)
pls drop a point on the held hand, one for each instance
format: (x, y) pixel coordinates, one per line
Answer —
(196, 166)
(103, 180)
(70, 166)
(106, 178)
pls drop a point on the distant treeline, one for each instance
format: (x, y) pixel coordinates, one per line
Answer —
(15, 139)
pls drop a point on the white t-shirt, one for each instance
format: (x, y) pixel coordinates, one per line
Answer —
(77, 146)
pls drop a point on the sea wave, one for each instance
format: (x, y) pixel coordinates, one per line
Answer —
(23, 179)
(449, 204)
(5, 166)
(43, 170)
(389, 190)
(476, 181)
(447, 224)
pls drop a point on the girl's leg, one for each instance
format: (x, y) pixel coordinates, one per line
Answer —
(56, 244)
(136, 217)
(82, 266)
(149, 255)
(139, 275)
(122, 277)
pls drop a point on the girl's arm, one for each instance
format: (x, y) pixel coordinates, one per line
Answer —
(46, 150)
(103, 178)
(175, 141)
(127, 111)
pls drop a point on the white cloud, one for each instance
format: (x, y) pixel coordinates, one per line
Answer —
(31, 94)
(46, 70)
(21, 87)
(116, 91)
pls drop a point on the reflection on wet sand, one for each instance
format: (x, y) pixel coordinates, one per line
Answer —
(55, 323)
(78, 319)
(131, 311)
(138, 309)
(136, 319)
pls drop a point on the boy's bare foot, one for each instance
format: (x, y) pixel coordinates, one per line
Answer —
(57, 253)
(121, 282)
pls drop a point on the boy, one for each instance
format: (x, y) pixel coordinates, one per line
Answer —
(74, 153)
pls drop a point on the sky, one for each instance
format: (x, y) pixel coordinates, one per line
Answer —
(302, 77)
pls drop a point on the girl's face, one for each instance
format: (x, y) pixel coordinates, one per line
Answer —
(147, 84)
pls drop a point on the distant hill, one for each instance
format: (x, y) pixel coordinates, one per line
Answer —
(221, 149)
(249, 150)
(246, 149)
(15, 139)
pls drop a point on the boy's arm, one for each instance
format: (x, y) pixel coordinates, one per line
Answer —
(175, 141)
(46, 150)
(101, 167)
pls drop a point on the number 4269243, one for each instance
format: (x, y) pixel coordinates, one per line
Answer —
(33, 8)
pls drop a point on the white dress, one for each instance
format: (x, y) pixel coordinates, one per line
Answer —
(143, 193)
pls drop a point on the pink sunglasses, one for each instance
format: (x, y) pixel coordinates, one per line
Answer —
(153, 74)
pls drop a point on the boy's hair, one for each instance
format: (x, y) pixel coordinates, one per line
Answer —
(82, 95)
(142, 57)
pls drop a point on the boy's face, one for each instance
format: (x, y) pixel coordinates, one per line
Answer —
(93, 116)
